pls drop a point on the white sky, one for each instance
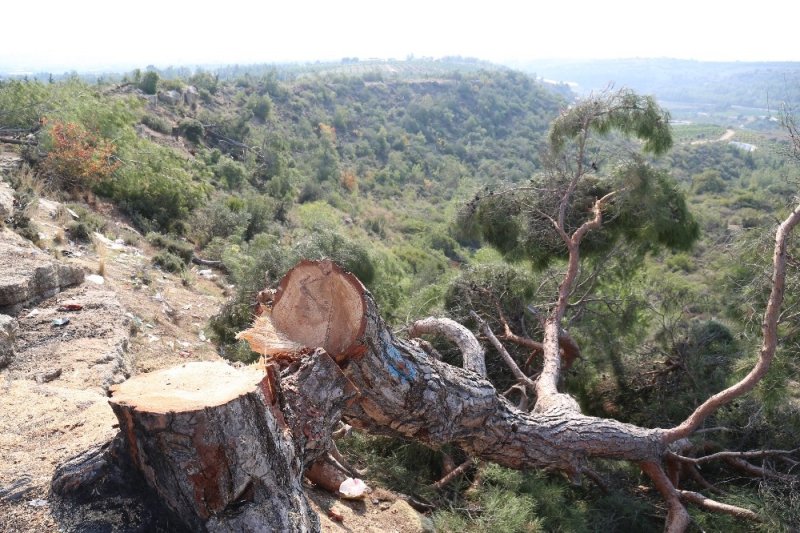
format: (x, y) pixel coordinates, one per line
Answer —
(82, 34)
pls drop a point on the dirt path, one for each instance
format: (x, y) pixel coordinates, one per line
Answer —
(727, 136)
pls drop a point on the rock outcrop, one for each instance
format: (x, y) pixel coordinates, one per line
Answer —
(6, 201)
(170, 97)
(8, 333)
(28, 275)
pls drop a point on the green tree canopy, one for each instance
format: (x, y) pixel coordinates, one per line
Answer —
(648, 209)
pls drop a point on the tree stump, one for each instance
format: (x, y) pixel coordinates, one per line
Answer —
(214, 443)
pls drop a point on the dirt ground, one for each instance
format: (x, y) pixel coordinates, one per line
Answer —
(126, 318)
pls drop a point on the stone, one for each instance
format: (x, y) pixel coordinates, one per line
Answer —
(8, 333)
(170, 97)
(191, 96)
(28, 275)
(6, 201)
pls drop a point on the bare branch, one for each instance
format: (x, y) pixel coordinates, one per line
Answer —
(512, 365)
(597, 219)
(712, 505)
(755, 471)
(677, 516)
(471, 349)
(460, 469)
(770, 338)
(742, 455)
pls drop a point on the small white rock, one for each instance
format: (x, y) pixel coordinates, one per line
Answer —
(94, 278)
(352, 488)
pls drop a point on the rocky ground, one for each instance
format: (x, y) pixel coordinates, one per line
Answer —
(77, 318)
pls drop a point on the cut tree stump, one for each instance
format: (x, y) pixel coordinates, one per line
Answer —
(221, 447)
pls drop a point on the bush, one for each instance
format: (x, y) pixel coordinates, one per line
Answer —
(231, 172)
(169, 262)
(220, 218)
(149, 82)
(261, 106)
(184, 250)
(157, 124)
(192, 129)
(79, 231)
(157, 191)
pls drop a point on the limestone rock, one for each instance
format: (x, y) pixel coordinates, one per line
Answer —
(191, 96)
(28, 275)
(6, 201)
(170, 97)
(8, 332)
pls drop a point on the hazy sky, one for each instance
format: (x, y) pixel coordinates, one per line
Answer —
(85, 34)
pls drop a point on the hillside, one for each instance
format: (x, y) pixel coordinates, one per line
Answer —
(384, 167)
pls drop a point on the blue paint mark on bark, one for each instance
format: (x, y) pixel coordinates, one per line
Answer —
(397, 365)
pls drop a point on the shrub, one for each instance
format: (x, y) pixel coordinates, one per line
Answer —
(182, 249)
(169, 262)
(79, 231)
(220, 218)
(157, 191)
(261, 106)
(77, 158)
(231, 172)
(157, 124)
(192, 129)
(149, 82)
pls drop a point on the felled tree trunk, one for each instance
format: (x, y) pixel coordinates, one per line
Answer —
(225, 448)
(404, 392)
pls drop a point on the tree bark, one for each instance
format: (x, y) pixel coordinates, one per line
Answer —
(225, 448)
(405, 393)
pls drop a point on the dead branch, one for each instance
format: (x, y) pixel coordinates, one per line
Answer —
(512, 365)
(677, 517)
(712, 505)
(22, 142)
(755, 471)
(754, 454)
(471, 349)
(457, 471)
(207, 262)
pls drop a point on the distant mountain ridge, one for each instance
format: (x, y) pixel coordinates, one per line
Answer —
(680, 82)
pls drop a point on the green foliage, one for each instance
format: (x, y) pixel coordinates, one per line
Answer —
(232, 173)
(650, 211)
(182, 249)
(169, 262)
(149, 82)
(23, 103)
(222, 217)
(158, 190)
(79, 231)
(157, 123)
(261, 106)
(328, 243)
(192, 129)
(623, 111)
(708, 181)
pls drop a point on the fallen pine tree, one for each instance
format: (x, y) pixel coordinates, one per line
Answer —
(225, 448)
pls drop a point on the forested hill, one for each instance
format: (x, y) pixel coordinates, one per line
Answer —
(259, 168)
